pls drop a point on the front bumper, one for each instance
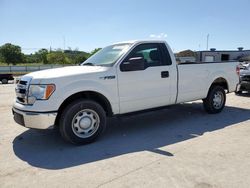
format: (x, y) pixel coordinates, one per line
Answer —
(35, 120)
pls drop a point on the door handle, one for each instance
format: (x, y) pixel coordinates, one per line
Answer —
(164, 74)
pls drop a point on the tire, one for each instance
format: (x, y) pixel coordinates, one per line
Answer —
(215, 101)
(4, 81)
(82, 122)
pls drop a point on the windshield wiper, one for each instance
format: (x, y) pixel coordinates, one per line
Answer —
(90, 64)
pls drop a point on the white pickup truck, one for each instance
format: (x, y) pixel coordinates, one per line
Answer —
(121, 78)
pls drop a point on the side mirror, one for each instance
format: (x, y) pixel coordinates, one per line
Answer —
(133, 64)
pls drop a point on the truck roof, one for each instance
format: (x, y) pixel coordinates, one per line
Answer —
(140, 41)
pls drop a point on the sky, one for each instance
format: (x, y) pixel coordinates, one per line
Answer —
(88, 24)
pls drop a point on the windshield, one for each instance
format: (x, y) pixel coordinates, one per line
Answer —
(107, 56)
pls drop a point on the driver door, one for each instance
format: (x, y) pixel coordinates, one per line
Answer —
(147, 88)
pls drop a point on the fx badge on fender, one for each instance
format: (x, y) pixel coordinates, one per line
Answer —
(107, 77)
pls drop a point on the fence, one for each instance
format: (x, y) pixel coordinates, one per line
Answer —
(26, 69)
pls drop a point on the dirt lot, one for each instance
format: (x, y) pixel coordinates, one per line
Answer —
(181, 146)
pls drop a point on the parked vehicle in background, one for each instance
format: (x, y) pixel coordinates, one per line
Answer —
(244, 84)
(4, 78)
(119, 79)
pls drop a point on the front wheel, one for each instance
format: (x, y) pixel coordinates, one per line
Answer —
(215, 101)
(82, 122)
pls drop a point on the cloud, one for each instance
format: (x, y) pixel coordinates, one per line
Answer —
(159, 36)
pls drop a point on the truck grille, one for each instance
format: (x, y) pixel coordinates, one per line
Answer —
(22, 90)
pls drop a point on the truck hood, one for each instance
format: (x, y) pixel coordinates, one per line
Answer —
(65, 72)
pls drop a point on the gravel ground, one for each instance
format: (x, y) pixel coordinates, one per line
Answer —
(181, 146)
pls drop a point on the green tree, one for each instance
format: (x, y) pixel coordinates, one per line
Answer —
(57, 57)
(11, 54)
(1, 58)
(94, 51)
(80, 58)
(186, 53)
(31, 59)
(75, 56)
(42, 56)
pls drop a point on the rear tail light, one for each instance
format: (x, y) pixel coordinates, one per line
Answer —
(238, 70)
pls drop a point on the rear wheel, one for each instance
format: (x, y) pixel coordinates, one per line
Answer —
(215, 101)
(82, 122)
(4, 81)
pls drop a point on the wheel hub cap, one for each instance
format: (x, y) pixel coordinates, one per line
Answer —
(218, 100)
(85, 123)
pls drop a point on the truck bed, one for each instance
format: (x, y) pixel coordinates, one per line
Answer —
(194, 79)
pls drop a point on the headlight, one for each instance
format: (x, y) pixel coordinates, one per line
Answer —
(40, 92)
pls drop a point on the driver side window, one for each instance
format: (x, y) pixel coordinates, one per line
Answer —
(150, 53)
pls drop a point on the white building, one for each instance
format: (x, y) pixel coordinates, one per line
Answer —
(223, 55)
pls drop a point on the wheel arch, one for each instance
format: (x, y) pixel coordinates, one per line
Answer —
(91, 95)
(220, 81)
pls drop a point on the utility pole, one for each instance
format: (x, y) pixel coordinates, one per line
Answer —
(207, 40)
(63, 43)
